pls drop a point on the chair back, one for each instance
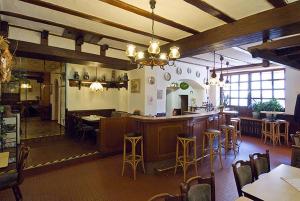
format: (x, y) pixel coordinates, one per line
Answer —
(260, 163)
(22, 157)
(198, 189)
(243, 174)
(165, 197)
(295, 159)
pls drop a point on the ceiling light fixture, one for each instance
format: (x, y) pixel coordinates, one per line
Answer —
(213, 81)
(96, 85)
(206, 84)
(153, 57)
(221, 79)
(227, 82)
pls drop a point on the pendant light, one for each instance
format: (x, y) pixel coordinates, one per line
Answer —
(206, 84)
(213, 81)
(227, 82)
(96, 85)
(221, 79)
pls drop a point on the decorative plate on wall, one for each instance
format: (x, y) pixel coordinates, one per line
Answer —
(151, 80)
(189, 70)
(198, 74)
(184, 85)
(167, 76)
(178, 71)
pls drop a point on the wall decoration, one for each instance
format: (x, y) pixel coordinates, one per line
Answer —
(198, 74)
(167, 76)
(135, 86)
(178, 71)
(86, 76)
(76, 76)
(159, 94)
(189, 70)
(184, 85)
(151, 80)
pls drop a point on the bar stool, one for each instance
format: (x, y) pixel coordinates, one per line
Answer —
(285, 134)
(236, 122)
(133, 159)
(185, 160)
(271, 132)
(263, 128)
(230, 138)
(211, 135)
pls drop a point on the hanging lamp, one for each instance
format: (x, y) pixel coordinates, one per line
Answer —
(227, 82)
(213, 81)
(206, 83)
(96, 85)
(221, 79)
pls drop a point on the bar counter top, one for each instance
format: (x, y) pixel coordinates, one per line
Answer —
(174, 118)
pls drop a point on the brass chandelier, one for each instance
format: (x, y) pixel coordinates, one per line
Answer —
(153, 57)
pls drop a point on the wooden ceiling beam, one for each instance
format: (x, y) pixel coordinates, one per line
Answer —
(72, 29)
(92, 18)
(202, 5)
(144, 13)
(37, 51)
(278, 22)
(277, 3)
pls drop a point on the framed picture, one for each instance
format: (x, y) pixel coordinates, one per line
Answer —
(135, 86)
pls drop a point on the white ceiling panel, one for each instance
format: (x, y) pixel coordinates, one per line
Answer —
(239, 55)
(180, 12)
(238, 9)
(210, 57)
(117, 44)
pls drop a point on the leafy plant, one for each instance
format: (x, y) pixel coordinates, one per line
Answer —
(257, 106)
(273, 105)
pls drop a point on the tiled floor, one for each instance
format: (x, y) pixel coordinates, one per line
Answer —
(101, 180)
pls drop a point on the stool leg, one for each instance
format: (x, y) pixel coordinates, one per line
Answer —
(287, 134)
(220, 150)
(226, 142)
(203, 147)
(234, 142)
(124, 155)
(176, 163)
(133, 159)
(184, 161)
(142, 155)
(195, 157)
(211, 152)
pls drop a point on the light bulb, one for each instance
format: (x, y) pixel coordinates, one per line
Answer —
(154, 47)
(131, 50)
(174, 52)
(140, 55)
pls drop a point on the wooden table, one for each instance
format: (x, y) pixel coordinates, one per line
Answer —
(4, 159)
(272, 187)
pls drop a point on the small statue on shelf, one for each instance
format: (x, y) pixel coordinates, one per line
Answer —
(86, 76)
(76, 76)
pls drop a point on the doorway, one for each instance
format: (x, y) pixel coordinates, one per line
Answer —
(184, 102)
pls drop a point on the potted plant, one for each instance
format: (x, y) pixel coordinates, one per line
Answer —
(272, 105)
(256, 108)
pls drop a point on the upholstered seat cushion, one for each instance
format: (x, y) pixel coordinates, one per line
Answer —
(199, 192)
(261, 165)
(8, 179)
(245, 175)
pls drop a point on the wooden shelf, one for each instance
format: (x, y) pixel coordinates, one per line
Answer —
(105, 84)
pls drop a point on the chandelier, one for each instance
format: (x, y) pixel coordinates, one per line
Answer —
(96, 85)
(153, 57)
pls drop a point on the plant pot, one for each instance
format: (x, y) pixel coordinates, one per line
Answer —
(255, 115)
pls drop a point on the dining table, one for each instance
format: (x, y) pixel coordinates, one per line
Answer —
(280, 184)
(4, 159)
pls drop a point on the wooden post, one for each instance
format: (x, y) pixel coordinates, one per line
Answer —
(103, 49)
(44, 37)
(4, 28)
(78, 43)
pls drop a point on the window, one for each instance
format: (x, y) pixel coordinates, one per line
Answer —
(247, 88)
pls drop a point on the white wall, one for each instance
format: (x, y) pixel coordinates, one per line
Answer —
(292, 89)
(85, 99)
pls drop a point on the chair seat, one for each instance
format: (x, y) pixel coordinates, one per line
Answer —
(8, 180)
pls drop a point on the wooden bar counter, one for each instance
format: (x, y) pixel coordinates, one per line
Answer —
(160, 134)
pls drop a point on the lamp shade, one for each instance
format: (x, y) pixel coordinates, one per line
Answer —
(130, 51)
(96, 86)
(174, 53)
(154, 47)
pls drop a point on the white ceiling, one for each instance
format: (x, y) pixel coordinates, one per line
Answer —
(176, 10)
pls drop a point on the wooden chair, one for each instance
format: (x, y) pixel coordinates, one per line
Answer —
(165, 197)
(260, 163)
(295, 158)
(243, 174)
(203, 189)
(15, 179)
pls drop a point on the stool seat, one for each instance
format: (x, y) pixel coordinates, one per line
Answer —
(215, 131)
(133, 134)
(184, 135)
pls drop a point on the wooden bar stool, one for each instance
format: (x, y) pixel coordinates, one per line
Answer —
(285, 134)
(230, 139)
(263, 128)
(271, 132)
(133, 159)
(236, 122)
(211, 135)
(185, 160)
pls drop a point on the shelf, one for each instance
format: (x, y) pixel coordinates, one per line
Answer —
(105, 84)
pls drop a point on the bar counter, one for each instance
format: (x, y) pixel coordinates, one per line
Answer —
(160, 135)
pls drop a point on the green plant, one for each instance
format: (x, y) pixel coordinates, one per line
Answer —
(273, 105)
(257, 106)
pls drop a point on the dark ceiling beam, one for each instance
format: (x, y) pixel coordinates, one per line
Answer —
(44, 37)
(78, 43)
(202, 5)
(277, 3)
(240, 67)
(278, 22)
(72, 29)
(288, 51)
(144, 13)
(37, 51)
(4, 28)
(92, 18)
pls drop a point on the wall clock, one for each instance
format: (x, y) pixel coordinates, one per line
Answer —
(151, 80)
(198, 74)
(178, 71)
(189, 70)
(167, 76)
